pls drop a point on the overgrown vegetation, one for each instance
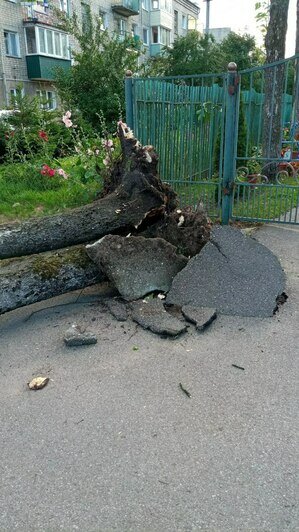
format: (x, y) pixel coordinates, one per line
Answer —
(95, 83)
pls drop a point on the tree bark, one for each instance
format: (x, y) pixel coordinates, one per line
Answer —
(27, 280)
(274, 80)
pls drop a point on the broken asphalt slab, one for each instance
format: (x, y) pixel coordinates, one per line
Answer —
(151, 314)
(137, 265)
(233, 273)
(201, 317)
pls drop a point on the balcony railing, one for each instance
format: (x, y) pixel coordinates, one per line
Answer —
(126, 8)
(43, 68)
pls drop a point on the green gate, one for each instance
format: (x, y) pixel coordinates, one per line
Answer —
(215, 146)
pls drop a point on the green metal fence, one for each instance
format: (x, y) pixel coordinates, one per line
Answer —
(209, 132)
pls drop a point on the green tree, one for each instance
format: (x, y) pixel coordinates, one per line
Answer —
(241, 49)
(95, 82)
(191, 54)
(195, 53)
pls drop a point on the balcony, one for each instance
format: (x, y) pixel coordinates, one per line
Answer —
(41, 67)
(155, 49)
(126, 8)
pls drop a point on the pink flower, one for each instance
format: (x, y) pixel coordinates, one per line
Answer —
(97, 152)
(62, 173)
(66, 119)
(106, 161)
(107, 143)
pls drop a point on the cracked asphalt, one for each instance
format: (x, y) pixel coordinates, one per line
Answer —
(113, 443)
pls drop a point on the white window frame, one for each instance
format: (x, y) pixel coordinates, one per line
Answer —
(37, 40)
(64, 6)
(15, 33)
(145, 5)
(104, 16)
(184, 22)
(146, 43)
(45, 95)
(123, 26)
(168, 32)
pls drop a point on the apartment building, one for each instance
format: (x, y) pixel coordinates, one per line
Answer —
(31, 45)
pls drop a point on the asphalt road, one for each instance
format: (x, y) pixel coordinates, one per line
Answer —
(113, 443)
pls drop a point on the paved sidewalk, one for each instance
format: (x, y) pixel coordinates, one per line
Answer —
(112, 442)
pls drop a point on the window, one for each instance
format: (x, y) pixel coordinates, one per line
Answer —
(49, 42)
(134, 30)
(165, 5)
(85, 14)
(122, 26)
(12, 43)
(47, 100)
(103, 20)
(155, 34)
(155, 4)
(165, 36)
(145, 36)
(176, 22)
(184, 22)
(13, 95)
(63, 4)
(31, 40)
(145, 5)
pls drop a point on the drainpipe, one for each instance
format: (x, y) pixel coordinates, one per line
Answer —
(4, 77)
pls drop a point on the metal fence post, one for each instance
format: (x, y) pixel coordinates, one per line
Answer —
(129, 99)
(230, 142)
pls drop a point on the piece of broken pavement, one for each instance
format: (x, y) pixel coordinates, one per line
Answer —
(151, 314)
(77, 335)
(201, 317)
(136, 265)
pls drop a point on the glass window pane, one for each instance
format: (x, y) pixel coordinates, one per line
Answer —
(65, 52)
(13, 44)
(50, 49)
(42, 41)
(31, 40)
(6, 39)
(57, 43)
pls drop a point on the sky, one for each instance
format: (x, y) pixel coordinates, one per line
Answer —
(239, 16)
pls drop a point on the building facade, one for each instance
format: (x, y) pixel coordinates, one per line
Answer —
(31, 45)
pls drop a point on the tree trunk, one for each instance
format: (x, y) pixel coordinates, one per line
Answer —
(274, 80)
(134, 193)
(27, 280)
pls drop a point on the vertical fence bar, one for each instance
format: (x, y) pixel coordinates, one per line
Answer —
(129, 99)
(230, 144)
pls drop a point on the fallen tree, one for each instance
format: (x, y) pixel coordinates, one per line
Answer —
(27, 280)
(132, 194)
(133, 200)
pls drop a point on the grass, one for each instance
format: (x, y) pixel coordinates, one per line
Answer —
(25, 193)
(260, 203)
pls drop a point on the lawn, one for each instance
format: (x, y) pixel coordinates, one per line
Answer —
(256, 203)
(28, 193)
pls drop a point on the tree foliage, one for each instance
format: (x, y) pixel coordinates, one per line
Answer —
(95, 82)
(195, 53)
